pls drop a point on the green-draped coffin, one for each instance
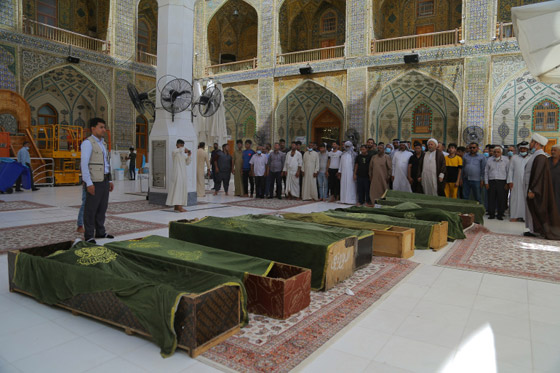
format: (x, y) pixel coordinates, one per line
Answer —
(296, 246)
(423, 229)
(149, 288)
(364, 251)
(411, 210)
(446, 204)
(413, 197)
(272, 289)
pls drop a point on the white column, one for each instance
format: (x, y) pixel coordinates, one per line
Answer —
(175, 57)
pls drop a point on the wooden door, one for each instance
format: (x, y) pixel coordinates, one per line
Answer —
(141, 140)
(329, 53)
(425, 41)
(326, 128)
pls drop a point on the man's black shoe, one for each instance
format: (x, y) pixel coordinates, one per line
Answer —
(500, 218)
(107, 235)
(91, 240)
(491, 217)
(19, 190)
(34, 189)
(529, 234)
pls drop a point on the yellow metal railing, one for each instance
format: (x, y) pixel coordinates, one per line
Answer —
(504, 30)
(232, 67)
(147, 58)
(311, 55)
(59, 35)
(432, 39)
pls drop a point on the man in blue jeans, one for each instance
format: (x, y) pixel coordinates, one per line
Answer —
(473, 172)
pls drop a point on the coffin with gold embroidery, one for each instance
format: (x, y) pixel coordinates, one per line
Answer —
(96, 282)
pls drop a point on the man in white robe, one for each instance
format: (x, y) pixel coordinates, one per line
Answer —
(292, 170)
(346, 175)
(400, 168)
(515, 179)
(178, 193)
(433, 170)
(310, 170)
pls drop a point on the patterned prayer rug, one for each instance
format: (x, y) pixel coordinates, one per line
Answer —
(270, 204)
(43, 234)
(128, 207)
(505, 254)
(21, 205)
(269, 345)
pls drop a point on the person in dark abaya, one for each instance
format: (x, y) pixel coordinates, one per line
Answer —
(543, 217)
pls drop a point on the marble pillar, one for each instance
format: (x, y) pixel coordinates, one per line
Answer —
(175, 57)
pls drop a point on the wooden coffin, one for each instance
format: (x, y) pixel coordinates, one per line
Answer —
(280, 294)
(395, 242)
(201, 320)
(339, 261)
(467, 220)
(439, 235)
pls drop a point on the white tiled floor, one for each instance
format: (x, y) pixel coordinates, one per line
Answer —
(436, 319)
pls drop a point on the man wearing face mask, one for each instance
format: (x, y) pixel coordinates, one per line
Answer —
(495, 176)
(516, 184)
(541, 217)
(511, 151)
(24, 158)
(309, 170)
(400, 169)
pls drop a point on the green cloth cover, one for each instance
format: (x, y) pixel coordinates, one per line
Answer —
(317, 227)
(447, 205)
(412, 197)
(423, 229)
(151, 288)
(411, 210)
(322, 218)
(194, 255)
(296, 246)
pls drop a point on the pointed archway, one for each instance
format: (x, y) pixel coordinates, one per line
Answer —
(240, 115)
(415, 107)
(297, 111)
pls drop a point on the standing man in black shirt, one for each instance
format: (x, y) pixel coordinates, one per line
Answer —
(361, 176)
(413, 164)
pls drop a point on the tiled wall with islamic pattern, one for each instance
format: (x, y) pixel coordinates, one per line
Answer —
(125, 39)
(476, 91)
(8, 67)
(8, 13)
(241, 117)
(265, 110)
(504, 7)
(124, 112)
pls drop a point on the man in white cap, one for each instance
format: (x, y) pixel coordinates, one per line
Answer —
(346, 175)
(400, 168)
(432, 170)
(541, 217)
(518, 195)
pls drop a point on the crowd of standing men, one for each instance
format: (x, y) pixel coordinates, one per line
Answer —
(525, 179)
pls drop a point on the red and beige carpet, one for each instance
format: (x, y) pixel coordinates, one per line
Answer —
(269, 204)
(43, 234)
(505, 254)
(269, 345)
(21, 205)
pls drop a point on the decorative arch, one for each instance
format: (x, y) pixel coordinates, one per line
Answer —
(147, 25)
(232, 33)
(296, 111)
(391, 110)
(79, 95)
(14, 104)
(513, 104)
(240, 115)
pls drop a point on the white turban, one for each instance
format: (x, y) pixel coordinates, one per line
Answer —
(348, 143)
(540, 139)
(434, 141)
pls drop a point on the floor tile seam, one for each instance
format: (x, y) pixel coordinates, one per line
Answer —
(52, 347)
(107, 361)
(120, 331)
